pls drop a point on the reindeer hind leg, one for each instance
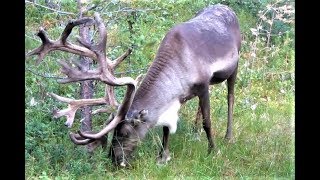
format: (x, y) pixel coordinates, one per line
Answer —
(230, 82)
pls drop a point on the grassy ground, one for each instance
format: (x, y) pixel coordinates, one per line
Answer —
(263, 144)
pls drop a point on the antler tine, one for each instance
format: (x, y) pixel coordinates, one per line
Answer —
(71, 24)
(74, 74)
(102, 44)
(75, 140)
(92, 143)
(62, 44)
(104, 131)
(117, 61)
(103, 33)
(41, 51)
(43, 35)
(73, 106)
(80, 140)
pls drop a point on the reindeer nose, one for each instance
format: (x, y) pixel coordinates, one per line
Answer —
(122, 164)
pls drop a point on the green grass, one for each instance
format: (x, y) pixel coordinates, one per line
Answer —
(263, 144)
(263, 148)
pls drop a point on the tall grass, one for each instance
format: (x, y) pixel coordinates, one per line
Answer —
(263, 145)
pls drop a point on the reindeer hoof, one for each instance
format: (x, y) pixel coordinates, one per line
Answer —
(163, 159)
(229, 139)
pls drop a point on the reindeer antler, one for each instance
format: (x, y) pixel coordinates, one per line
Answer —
(103, 73)
(73, 106)
(62, 44)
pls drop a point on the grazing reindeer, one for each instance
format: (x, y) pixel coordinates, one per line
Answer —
(193, 55)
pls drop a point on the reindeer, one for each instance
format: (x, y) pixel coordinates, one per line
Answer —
(192, 56)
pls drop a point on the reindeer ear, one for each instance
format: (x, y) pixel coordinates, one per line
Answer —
(143, 113)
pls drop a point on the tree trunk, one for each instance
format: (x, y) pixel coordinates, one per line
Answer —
(86, 87)
(86, 92)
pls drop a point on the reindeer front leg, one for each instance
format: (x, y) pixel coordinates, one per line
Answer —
(164, 155)
(204, 103)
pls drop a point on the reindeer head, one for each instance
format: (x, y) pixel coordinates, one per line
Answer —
(126, 137)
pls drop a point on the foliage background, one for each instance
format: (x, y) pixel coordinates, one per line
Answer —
(263, 146)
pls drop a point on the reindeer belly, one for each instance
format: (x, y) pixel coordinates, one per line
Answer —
(222, 75)
(223, 68)
(170, 116)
